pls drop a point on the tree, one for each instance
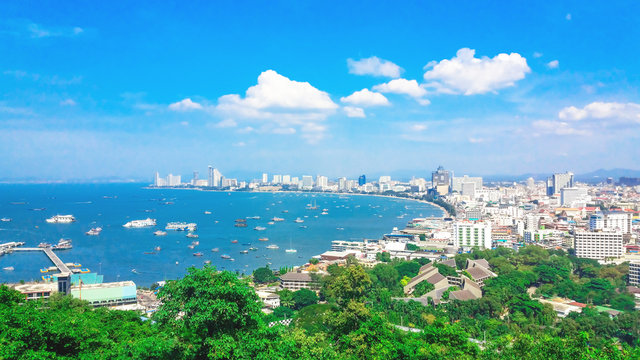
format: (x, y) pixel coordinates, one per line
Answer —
(314, 261)
(304, 297)
(386, 275)
(422, 288)
(286, 298)
(445, 270)
(383, 256)
(407, 268)
(352, 284)
(263, 275)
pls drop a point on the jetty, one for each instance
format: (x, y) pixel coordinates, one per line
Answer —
(64, 269)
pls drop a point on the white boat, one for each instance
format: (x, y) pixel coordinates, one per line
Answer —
(94, 231)
(298, 220)
(271, 223)
(291, 250)
(8, 268)
(192, 236)
(140, 223)
(207, 212)
(159, 233)
(253, 217)
(181, 226)
(324, 213)
(260, 228)
(5, 219)
(273, 247)
(275, 218)
(215, 250)
(63, 219)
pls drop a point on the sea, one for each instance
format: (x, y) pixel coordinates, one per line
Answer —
(121, 253)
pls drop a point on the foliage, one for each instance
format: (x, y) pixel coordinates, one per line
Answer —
(383, 256)
(304, 297)
(445, 270)
(313, 261)
(422, 288)
(263, 275)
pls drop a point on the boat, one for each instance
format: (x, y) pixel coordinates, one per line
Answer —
(94, 231)
(215, 250)
(271, 223)
(298, 220)
(324, 213)
(263, 239)
(232, 259)
(303, 226)
(192, 236)
(149, 253)
(181, 226)
(8, 268)
(159, 233)
(244, 252)
(260, 228)
(62, 219)
(339, 228)
(44, 245)
(240, 224)
(207, 212)
(246, 244)
(325, 210)
(157, 248)
(313, 206)
(38, 209)
(225, 257)
(207, 262)
(285, 211)
(241, 220)
(273, 247)
(253, 217)
(234, 241)
(191, 246)
(134, 271)
(253, 249)
(197, 254)
(291, 250)
(63, 244)
(140, 223)
(275, 218)
(5, 219)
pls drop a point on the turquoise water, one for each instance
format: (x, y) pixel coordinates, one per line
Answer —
(118, 250)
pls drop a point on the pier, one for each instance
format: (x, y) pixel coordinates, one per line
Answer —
(64, 269)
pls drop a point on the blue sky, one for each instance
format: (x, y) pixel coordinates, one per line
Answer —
(337, 88)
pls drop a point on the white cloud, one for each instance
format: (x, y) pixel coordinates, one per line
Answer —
(354, 112)
(568, 17)
(280, 101)
(559, 128)
(374, 66)
(404, 86)
(38, 31)
(419, 127)
(612, 111)
(227, 123)
(553, 64)
(474, 140)
(468, 75)
(185, 105)
(365, 97)
(240, 144)
(284, 131)
(184, 123)
(68, 102)
(537, 54)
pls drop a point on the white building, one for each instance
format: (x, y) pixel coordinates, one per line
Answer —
(472, 234)
(598, 245)
(215, 177)
(458, 181)
(158, 181)
(596, 222)
(277, 179)
(572, 195)
(618, 220)
(634, 272)
(469, 189)
(342, 183)
(265, 178)
(286, 179)
(322, 182)
(384, 179)
(307, 182)
(173, 180)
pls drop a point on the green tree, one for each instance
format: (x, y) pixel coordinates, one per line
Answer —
(422, 288)
(386, 275)
(445, 270)
(313, 261)
(304, 297)
(263, 275)
(383, 256)
(352, 284)
(407, 268)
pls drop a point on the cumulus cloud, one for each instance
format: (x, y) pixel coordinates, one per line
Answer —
(365, 97)
(354, 112)
(185, 105)
(553, 64)
(537, 54)
(468, 75)
(280, 102)
(406, 87)
(374, 66)
(612, 111)
(227, 123)
(559, 128)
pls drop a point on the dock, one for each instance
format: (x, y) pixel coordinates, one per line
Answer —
(51, 255)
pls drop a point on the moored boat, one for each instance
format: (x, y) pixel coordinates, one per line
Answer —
(140, 223)
(62, 219)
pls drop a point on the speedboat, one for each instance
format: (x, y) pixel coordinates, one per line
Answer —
(159, 233)
(63, 219)
(5, 219)
(298, 220)
(197, 254)
(94, 231)
(263, 239)
(8, 268)
(260, 228)
(215, 250)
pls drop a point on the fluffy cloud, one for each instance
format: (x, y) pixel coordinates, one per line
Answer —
(67, 102)
(553, 64)
(365, 97)
(374, 66)
(612, 111)
(282, 102)
(419, 127)
(226, 123)
(354, 112)
(558, 128)
(185, 105)
(404, 86)
(468, 75)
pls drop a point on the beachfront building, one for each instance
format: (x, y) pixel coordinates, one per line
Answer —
(106, 294)
(599, 245)
(472, 234)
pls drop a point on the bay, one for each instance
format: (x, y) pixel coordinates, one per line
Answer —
(118, 250)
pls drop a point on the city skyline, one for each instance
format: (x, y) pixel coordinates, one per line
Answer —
(302, 87)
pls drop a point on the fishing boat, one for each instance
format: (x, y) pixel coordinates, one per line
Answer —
(263, 239)
(225, 257)
(253, 248)
(159, 233)
(240, 224)
(207, 212)
(275, 218)
(260, 228)
(198, 254)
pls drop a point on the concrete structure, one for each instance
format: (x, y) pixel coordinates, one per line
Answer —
(618, 221)
(599, 245)
(298, 280)
(559, 181)
(634, 272)
(572, 196)
(34, 291)
(457, 182)
(441, 180)
(472, 234)
(270, 300)
(427, 273)
(106, 294)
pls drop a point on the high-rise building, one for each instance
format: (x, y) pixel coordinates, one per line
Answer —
(531, 184)
(469, 189)
(571, 195)
(634, 272)
(618, 221)
(210, 176)
(173, 180)
(307, 182)
(599, 245)
(456, 182)
(194, 182)
(277, 179)
(558, 182)
(470, 234)
(342, 184)
(286, 179)
(362, 180)
(322, 182)
(441, 180)
(158, 181)
(384, 179)
(265, 178)
(596, 222)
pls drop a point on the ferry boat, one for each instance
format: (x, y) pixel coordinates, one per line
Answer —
(263, 239)
(63, 219)
(94, 231)
(63, 244)
(5, 219)
(273, 247)
(260, 228)
(298, 220)
(192, 236)
(197, 254)
(140, 223)
(275, 218)
(181, 226)
(159, 233)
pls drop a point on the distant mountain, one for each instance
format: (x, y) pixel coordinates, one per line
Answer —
(602, 174)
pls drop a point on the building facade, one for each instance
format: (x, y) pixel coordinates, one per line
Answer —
(599, 245)
(472, 234)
